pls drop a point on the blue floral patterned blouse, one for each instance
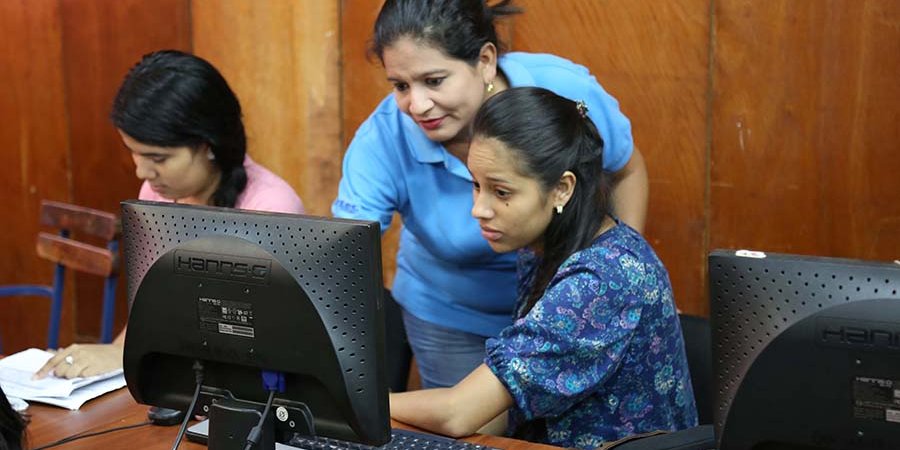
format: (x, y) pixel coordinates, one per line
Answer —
(600, 356)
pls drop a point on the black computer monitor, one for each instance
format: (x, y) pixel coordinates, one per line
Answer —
(241, 291)
(806, 352)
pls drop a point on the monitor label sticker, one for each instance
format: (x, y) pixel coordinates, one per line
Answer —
(750, 254)
(876, 399)
(226, 317)
(893, 415)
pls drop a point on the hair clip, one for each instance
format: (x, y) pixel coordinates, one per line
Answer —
(582, 108)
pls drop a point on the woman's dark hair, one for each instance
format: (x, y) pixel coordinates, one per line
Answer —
(12, 426)
(458, 27)
(550, 135)
(174, 99)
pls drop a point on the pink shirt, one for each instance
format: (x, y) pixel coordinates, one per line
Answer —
(265, 191)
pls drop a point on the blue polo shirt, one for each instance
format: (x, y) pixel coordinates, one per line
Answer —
(446, 272)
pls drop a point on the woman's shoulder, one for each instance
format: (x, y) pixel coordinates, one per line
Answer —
(266, 191)
(545, 70)
(620, 251)
(385, 118)
(387, 133)
(542, 61)
(575, 82)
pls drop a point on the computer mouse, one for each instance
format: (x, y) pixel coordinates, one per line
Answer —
(165, 416)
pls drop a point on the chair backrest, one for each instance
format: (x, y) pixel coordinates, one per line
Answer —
(74, 254)
(80, 256)
(698, 346)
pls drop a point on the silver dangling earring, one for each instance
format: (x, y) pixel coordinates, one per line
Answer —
(559, 209)
(210, 155)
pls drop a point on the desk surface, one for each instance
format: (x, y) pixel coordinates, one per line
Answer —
(49, 423)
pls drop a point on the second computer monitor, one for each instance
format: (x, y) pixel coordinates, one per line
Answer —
(806, 352)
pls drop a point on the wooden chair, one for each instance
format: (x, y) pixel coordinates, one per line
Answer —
(75, 255)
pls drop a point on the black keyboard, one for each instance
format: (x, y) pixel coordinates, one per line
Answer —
(400, 440)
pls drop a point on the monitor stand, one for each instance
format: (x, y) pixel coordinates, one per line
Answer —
(232, 419)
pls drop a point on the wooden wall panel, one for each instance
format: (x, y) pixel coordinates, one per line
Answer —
(282, 59)
(805, 127)
(653, 57)
(35, 149)
(364, 86)
(102, 39)
(788, 145)
(364, 82)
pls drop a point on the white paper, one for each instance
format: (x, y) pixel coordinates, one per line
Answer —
(83, 394)
(16, 373)
(17, 404)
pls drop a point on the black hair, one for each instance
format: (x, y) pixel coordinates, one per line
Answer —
(12, 426)
(550, 135)
(174, 99)
(457, 27)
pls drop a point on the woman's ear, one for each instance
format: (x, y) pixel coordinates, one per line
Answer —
(565, 187)
(487, 62)
(206, 150)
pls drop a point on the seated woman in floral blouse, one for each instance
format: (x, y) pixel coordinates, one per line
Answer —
(595, 353)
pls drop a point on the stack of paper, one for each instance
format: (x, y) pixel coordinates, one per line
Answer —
(16, 373)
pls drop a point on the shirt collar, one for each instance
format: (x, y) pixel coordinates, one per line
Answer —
(426, 151)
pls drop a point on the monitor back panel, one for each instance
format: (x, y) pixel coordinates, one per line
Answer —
(806, 351)
(334, 266)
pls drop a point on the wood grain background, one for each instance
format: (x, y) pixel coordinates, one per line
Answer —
(766, 125)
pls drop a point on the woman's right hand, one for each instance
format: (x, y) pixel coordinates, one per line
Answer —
(83, 360)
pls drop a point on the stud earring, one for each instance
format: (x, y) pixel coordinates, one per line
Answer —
(490, 87)
(210, 155)
(559, 209)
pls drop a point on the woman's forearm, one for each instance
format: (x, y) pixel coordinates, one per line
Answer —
(458, 411)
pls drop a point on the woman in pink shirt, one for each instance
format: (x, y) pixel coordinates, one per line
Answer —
(182, 123)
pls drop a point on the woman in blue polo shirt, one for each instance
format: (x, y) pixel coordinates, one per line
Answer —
(443, 58)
